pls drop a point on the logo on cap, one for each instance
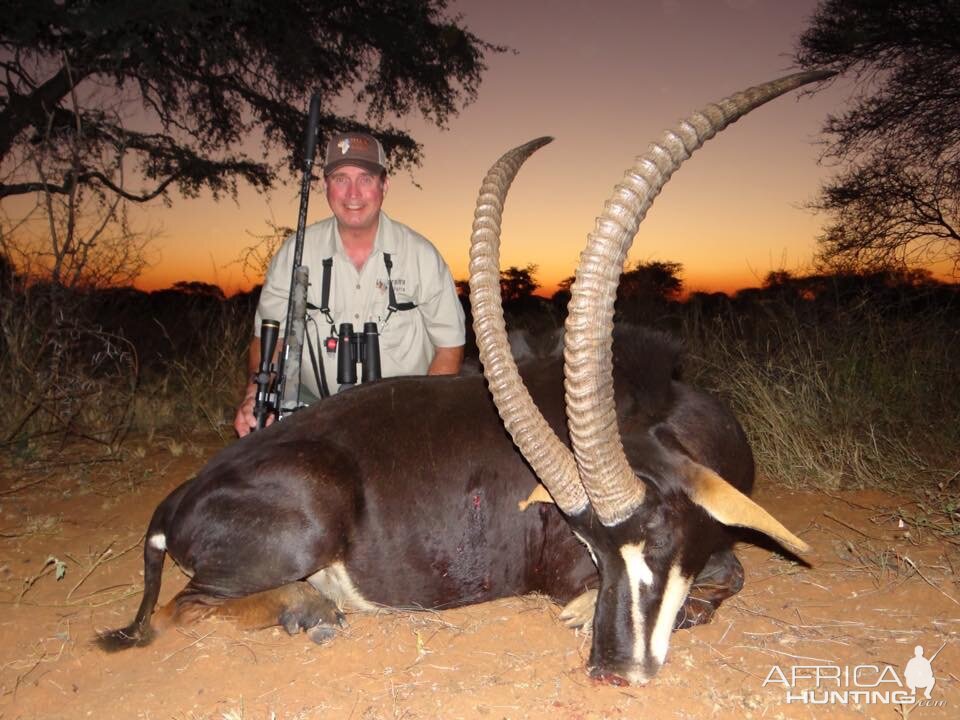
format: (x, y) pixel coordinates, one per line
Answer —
(344, 146)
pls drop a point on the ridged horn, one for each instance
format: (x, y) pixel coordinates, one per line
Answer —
(550, 459)
(611, 485)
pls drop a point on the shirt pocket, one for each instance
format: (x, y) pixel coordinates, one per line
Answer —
(398, 331)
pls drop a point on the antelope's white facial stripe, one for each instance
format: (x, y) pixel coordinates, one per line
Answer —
(638, 572)
(582, 539)
(158, 541)
(637, 569)
(674, 593)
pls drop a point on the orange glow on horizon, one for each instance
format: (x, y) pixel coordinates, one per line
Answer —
(731, 215)
(548, 285)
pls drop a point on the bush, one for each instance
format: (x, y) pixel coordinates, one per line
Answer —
(61, 375)
(95, 364)
(849, 389)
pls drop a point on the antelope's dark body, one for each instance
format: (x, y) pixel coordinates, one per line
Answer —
(411, 483)
(412, 486)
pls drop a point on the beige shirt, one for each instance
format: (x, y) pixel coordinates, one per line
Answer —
(407, 338)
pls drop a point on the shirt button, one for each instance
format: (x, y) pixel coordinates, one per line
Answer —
(358, 287)
(356, 317)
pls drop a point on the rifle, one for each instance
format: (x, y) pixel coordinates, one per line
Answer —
(285, 398)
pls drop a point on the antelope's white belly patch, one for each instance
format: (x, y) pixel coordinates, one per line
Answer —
(334, 582)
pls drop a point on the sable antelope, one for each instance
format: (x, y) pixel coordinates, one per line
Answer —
(405, 492)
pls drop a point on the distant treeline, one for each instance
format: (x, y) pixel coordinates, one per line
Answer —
(842, 379)
(651, 295)
(176, 322)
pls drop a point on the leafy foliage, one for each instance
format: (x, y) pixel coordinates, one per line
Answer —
(518, 284)
(897, 199)
(647, 289)
(175, 88)
(655, 278)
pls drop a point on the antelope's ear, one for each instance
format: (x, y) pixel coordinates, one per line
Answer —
(538, 494)
(725, 503)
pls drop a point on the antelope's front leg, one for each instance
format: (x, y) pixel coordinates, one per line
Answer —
(721, 577)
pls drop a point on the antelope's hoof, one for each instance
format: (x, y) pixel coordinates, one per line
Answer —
(323, 633)
(315, 611)
(695, 611)
(578, 613)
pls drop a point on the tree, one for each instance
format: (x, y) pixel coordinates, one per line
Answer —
(897, 198)
(130, 99)
(655, 279)
(646, 290)
(255, 259)
(518, 284)
(196, 288)
(561, 298)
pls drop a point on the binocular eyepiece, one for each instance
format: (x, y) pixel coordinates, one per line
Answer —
(352, 349)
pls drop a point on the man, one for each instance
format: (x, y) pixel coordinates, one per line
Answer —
(369, 254)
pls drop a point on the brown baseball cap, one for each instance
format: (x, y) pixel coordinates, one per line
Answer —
(355, 148)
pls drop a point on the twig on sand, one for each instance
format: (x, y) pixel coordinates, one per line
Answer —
(104, 557)
(847, 501)
(18, 488)
(781, 652)
(849, 526)
(930, 582)
(188, 646)
(29, 582)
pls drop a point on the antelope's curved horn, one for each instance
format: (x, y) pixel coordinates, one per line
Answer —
(550, 459)
(613, 489)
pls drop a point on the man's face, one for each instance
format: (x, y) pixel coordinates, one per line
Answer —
(355, 196)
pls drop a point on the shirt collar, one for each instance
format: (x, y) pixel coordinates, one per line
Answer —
(384, 241)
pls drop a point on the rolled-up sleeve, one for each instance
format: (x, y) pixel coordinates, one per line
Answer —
(439, 304)
(275, 293)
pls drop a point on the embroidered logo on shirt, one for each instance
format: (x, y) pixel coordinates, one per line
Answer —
(399, 285)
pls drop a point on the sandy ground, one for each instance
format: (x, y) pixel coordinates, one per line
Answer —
(877, 588)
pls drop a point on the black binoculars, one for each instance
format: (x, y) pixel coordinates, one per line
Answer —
(352, 349)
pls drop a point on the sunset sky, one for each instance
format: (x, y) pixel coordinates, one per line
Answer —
(603, 78)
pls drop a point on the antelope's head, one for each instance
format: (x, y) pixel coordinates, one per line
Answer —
(643, 502)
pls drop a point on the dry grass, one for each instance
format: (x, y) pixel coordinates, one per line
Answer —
(843, 397)
(77, 365)
(198, 388)
(62, 375)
